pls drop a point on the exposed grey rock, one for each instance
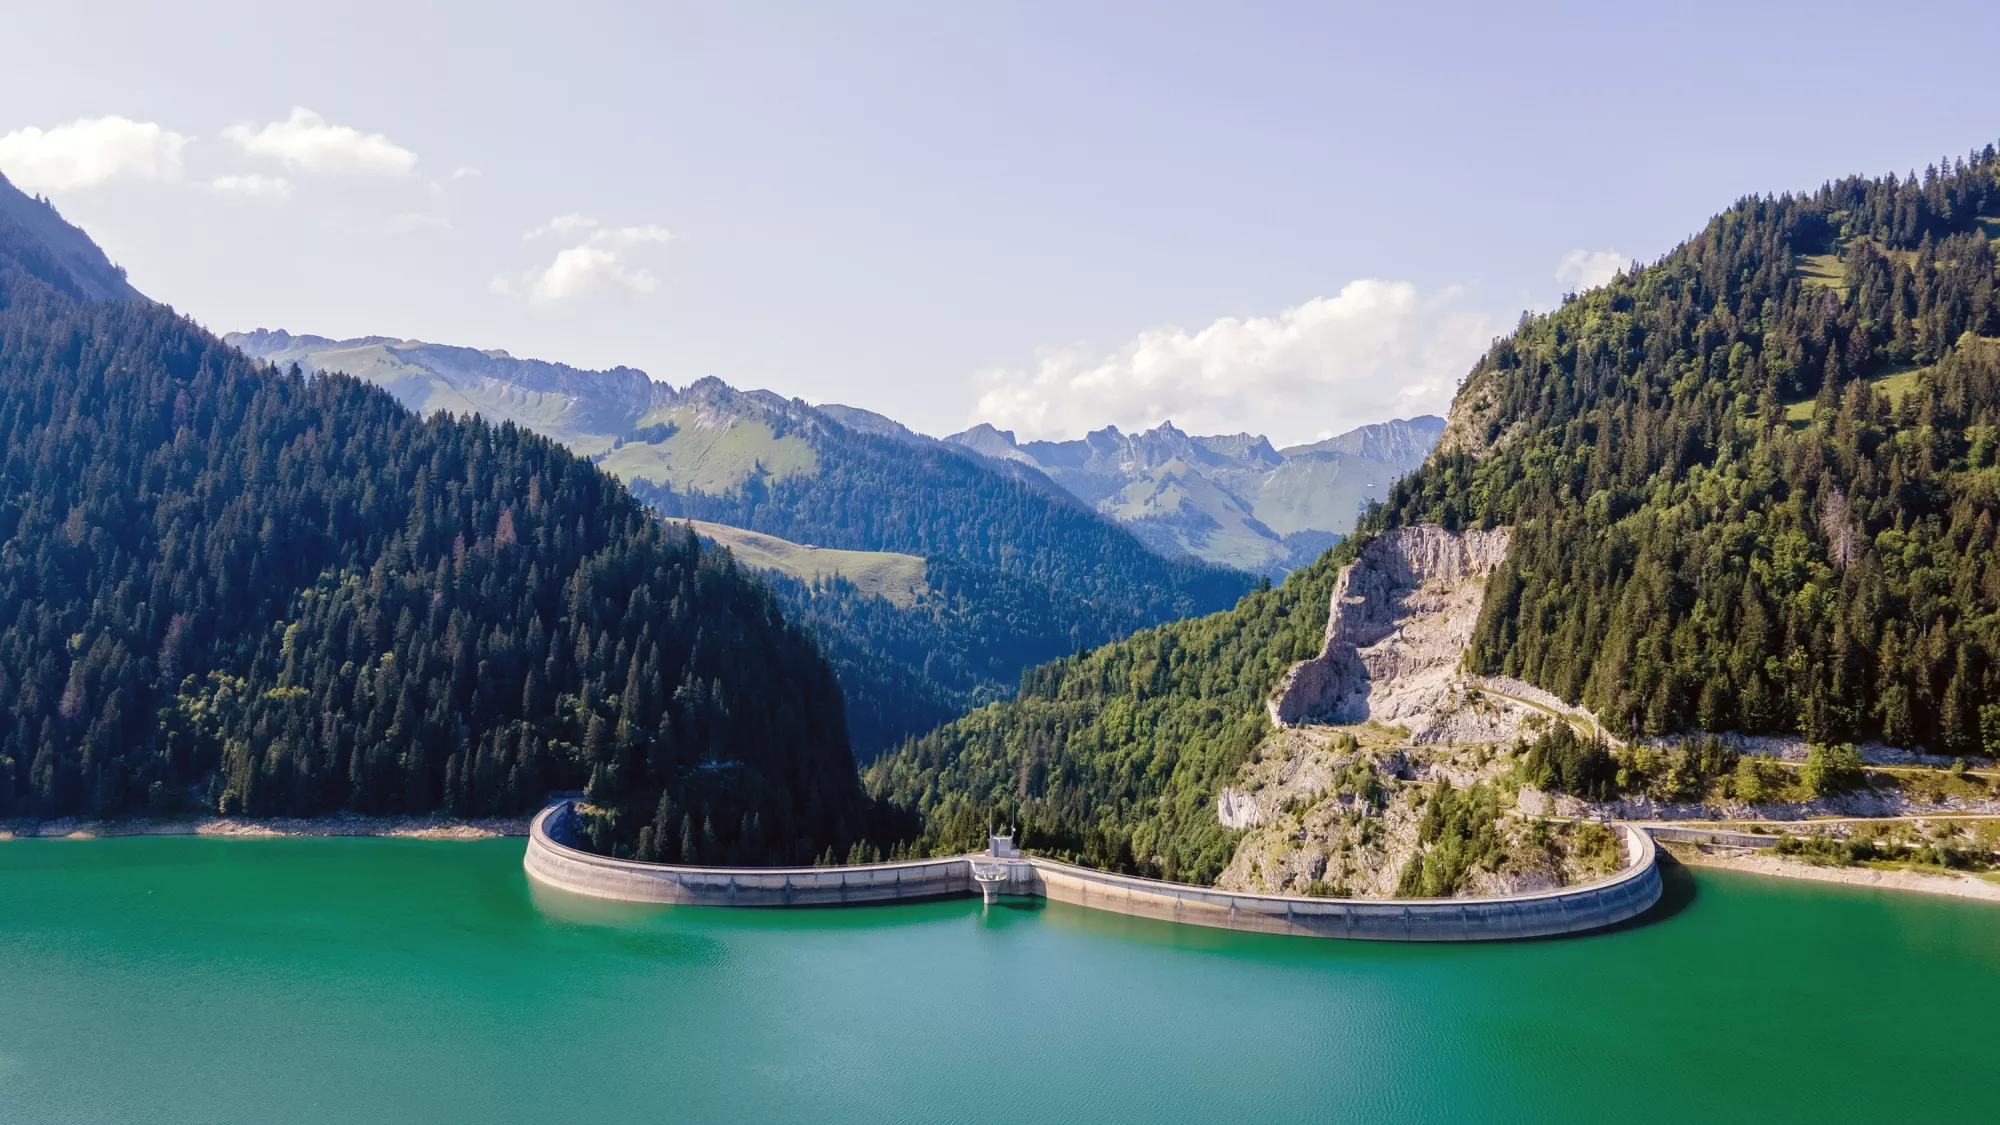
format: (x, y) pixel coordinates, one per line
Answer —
(1397, 626)
(1237, 809)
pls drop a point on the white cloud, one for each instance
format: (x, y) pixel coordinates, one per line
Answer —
(562, 226)
(464, 173)
(598, 259)
(573, 224)
(306, 142)
(582, 270)
(1587, 269)
(1376, 350)
(90, 151)
(633, 236)
(268, 187)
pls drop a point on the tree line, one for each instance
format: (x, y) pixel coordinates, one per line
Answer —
(1754, 484)
(1018, 572)
(232, 588)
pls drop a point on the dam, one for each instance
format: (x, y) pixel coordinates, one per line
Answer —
(553, 858)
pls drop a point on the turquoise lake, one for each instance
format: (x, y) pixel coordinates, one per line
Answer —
(344, 980)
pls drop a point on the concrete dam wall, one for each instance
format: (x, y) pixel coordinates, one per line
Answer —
(552, 859)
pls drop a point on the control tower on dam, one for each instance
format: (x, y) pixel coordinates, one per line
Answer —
(554, 859)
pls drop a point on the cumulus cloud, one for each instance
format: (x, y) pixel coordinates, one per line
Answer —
(634, 236)
(1587, 269)
(562, 226)
(598, 259)
(90, 151)
(306, 142)
(1376, 350)
(581, 270)
(267, 187)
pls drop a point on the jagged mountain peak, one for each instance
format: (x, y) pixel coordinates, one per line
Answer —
(1401, 441)
(1255, 448)
(868, 422)
(1227, 498)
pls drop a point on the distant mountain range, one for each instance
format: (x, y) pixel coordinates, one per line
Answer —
(586, 410)
(1015, 570)
(1230, 499)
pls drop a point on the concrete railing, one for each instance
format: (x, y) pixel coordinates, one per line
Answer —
(1725, 837)
(1567, 910)
(551, 858)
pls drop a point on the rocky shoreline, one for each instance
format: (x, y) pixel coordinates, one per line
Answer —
(418, 827)
(1953, 885)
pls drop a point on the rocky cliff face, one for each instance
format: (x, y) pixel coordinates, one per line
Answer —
(1399, 621)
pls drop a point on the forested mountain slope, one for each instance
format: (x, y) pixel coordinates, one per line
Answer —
(1115, 756)
(227, 587)
(1753, 486)
(40, 244)
(868, 492)
(1017, 572)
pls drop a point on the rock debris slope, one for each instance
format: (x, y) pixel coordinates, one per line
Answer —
(1400, 618)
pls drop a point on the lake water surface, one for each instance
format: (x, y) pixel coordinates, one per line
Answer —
(323, 980)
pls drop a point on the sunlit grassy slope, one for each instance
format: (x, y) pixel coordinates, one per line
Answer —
(709, 453)
(897, 577)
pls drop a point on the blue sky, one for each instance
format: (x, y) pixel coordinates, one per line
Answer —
(1284, 218)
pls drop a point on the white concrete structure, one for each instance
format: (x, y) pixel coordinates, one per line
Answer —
(553, 860)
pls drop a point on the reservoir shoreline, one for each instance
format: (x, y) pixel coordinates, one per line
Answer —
(410, 827)
(1781, 867)
(1764, 864)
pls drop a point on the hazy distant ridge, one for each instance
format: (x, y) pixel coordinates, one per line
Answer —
(1226, 498)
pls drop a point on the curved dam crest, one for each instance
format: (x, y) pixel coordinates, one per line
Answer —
(553, 859)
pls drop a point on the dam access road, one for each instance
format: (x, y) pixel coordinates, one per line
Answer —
(554, 859)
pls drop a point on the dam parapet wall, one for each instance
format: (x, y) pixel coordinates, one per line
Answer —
(553, 859)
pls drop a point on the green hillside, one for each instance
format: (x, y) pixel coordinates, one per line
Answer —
(698, 450)
(1114, 756)
(1683, 558)
(227, 588)
(588, 411)
(1008, 573)
(1015, 572)
(896, 578)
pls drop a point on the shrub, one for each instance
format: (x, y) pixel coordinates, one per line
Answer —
(1830, 770)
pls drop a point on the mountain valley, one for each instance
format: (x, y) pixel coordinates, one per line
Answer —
(1016, 572)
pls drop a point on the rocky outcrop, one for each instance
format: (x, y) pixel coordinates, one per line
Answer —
(1237, 809)
(1396, 629)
